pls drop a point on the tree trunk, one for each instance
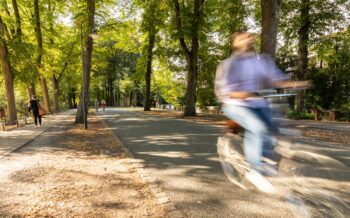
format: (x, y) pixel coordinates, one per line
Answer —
(31, 89)
(270, 16)
(56, 94)
(147, 101)
(86, 58)
(45, 92)
(69, 99)
(18, 21)
(303, 49)
(8, 76)
(74, 98)
(303, 40)
(110, 91)
(43, 82)
(191, 55)
(190, 107)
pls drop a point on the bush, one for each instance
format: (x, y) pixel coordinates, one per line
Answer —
(300, 115)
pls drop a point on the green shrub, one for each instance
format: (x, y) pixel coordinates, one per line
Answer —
(300, 115)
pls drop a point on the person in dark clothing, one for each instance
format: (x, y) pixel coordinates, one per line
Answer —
(34, 106)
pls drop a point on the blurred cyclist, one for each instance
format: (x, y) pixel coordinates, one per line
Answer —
(238, 81)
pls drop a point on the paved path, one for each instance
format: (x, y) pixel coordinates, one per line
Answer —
(17, 138)
(326, 125)
(181, 156)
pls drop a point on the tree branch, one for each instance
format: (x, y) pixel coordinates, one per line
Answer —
(179, 27)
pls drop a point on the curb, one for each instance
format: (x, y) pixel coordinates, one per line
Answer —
(151, 182)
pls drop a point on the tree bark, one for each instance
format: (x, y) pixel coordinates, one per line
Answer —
(8, 76)
(31, 89)
(86, 58)
(18, 21)
(270, 17)
(303, 40)
(56, 93)
(42, 78)
(110, 90)
(191, 55)
(147, 101)
(303, 51)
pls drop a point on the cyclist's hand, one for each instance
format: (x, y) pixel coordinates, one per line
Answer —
(302, 84)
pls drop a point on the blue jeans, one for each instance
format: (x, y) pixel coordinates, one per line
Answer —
(257, 123)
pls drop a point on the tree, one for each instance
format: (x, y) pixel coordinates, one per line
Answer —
(43, 83)
(270, 16)
(86, 59)
(151, 20)
(191, 54)
(304, 25)
(8, 75)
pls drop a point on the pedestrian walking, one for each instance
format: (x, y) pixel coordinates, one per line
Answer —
(34, 106)
(97, 104)
(103, 103)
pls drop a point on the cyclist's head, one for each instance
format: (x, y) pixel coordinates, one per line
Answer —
(242, 41)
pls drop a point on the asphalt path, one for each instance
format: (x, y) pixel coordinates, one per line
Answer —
(181, 156)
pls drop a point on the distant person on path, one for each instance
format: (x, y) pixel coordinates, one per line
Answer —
(97, 104)
(238, 81)
(103, 103)
(34, 105)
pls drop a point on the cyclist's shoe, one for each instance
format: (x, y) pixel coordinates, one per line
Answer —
(260, 182)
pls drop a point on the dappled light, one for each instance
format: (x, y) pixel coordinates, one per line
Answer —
(174, 108)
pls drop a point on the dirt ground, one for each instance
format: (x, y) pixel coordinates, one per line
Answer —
(70, 172)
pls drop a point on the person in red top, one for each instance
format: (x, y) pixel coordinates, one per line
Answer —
(103, 103)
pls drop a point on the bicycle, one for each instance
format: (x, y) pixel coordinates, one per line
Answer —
(236, 168)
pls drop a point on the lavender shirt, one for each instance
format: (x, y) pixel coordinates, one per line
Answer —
(249, 73)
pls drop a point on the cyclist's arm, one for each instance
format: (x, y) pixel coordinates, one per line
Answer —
(291, 84)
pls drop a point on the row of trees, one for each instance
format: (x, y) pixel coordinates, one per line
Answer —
(164, 50)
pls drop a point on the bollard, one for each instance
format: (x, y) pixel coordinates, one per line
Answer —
(2, 126)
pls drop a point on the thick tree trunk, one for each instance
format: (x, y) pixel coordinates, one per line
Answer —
(56, 94)
(147, 101)
(270, 16)
(43, 82)
(87, 52)
(190, 107)
(191, 55)
(303, 49)
(303, 40)
(45, 92)
(8, 76)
